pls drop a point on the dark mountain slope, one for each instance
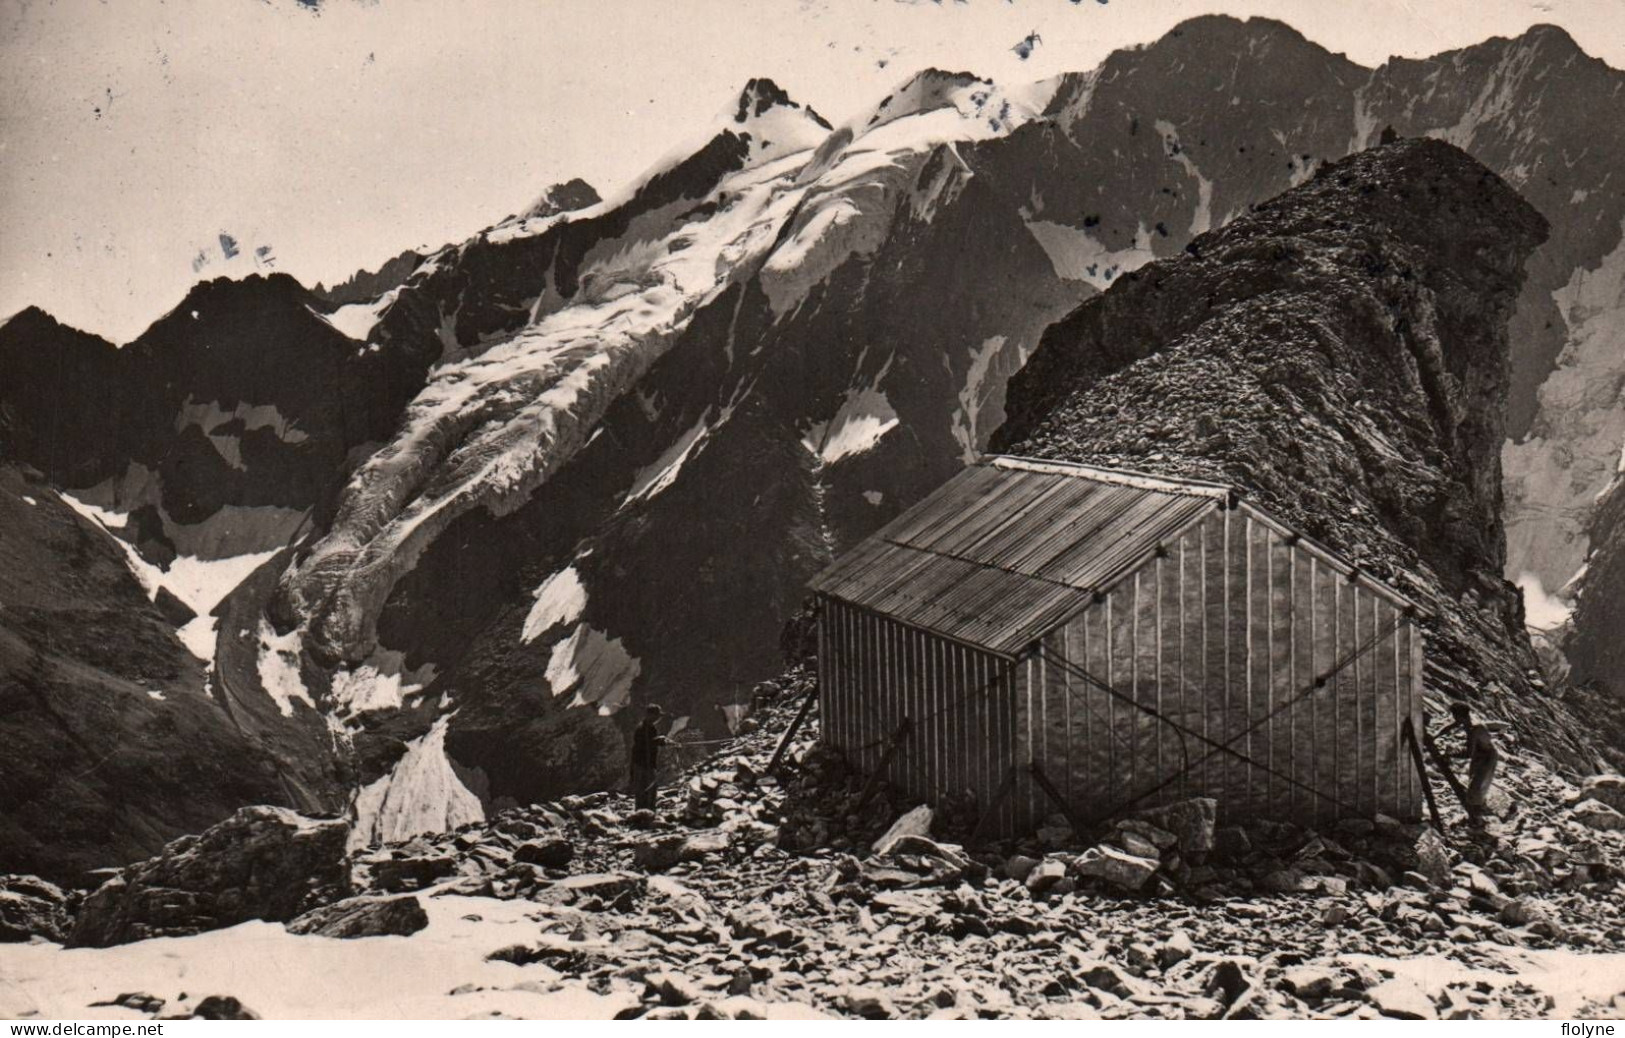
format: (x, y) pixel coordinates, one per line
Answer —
(241, 396)
(111, 745)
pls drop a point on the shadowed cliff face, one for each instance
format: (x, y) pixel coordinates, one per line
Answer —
(1597, 648)
(1340, 353)
(111, 743)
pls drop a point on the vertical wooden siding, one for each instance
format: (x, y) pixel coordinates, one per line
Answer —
(1230, 626)
(873, 672)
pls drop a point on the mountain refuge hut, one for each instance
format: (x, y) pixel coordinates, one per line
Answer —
(1046, 638)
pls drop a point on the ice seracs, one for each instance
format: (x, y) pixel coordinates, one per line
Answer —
(422, 793)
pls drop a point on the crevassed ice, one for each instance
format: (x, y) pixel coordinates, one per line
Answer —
(421, 794)
(378, 684)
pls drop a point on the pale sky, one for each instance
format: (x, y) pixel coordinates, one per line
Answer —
(134, 132)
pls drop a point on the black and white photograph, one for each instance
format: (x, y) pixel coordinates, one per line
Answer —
(817, 510)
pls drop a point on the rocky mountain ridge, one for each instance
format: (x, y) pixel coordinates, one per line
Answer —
(1340, 352)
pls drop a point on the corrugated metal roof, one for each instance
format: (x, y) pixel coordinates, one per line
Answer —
(1009, 548)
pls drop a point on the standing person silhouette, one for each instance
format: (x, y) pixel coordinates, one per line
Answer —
(1482, 760)
(646, 745)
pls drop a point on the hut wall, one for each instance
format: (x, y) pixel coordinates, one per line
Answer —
(873, 672)
(1233, 623)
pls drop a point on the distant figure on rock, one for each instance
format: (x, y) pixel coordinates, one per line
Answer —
(1482, 759)
(1389, 135)
(645, 756)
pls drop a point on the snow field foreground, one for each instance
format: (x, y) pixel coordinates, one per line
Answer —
(441, 973)
(444, 973)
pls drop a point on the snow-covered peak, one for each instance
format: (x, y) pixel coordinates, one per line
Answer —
(927, 91)
(931, 108)
(562, 198)
(772, 124)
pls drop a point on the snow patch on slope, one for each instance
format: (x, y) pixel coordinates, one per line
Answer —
(653, 478)
(1077, 256)
(199, 636)
(967, 429)
(383, 682)
(1365, 123)
(278, 667)
(594, 666)
(443, 972)
(106, 518)
(864, 417)
(357, 320)
(560, 599)
(208, 416)
(202, 583)
(230, 530)
(1542, 611)
(199, 583)
(1202, 219)
(421, 794)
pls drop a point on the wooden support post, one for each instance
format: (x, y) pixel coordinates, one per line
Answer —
(992, 808)
(885, 762)
(789, 733)
(1055, 794)
(1408, 733)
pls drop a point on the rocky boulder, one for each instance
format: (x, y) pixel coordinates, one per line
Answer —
(549, 852)
(31, 907)
(364, 917)
(916, 822)
(1608, 789)
(397, 874)
(1598, 815)
(261, 863)
(1433, 858)
(660, 853)
(1117, 867)
(223, 1007)
(1191, 822)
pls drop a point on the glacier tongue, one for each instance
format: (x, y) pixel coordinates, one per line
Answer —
(486, 431)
